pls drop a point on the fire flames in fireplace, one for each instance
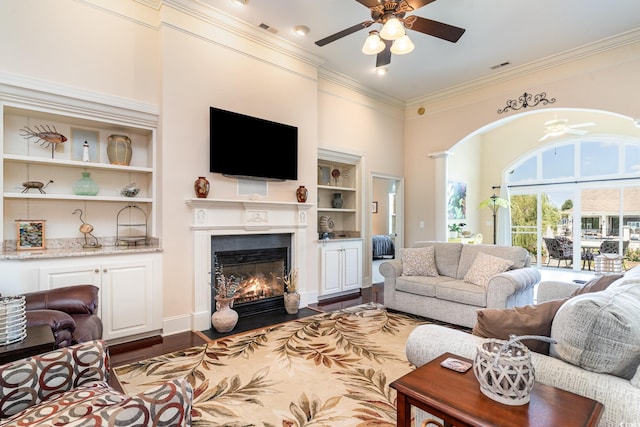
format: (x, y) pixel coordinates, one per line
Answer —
(261, 274)
(259, 287)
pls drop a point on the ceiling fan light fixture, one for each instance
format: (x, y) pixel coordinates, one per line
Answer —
(402, 46)
(301, 30)
(373, 44)
(392, 29)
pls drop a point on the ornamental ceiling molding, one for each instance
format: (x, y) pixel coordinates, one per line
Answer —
(526, 100)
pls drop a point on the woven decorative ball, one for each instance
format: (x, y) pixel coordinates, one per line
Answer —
(504, 371)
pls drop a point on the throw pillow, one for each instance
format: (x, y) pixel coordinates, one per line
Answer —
(600, 331)
(598, 283)
(531, 319)
(526, 320)
(484, 267)
(418, 261)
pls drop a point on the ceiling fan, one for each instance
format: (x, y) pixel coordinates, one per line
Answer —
(393, 12)
(558, 127)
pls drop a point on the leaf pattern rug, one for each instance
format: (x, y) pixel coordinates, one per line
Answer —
(331, 369)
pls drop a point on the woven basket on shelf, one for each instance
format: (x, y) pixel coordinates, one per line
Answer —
(13, 320)
(504, 371)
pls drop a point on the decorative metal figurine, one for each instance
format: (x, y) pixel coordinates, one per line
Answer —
(45, 135)
(85, 229)
(28, 185)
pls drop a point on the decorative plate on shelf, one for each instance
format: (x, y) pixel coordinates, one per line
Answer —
(326, 224)
(335, 174)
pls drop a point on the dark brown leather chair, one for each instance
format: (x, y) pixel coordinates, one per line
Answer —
(69, 311)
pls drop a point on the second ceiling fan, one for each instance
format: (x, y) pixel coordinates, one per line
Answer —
(392, 38)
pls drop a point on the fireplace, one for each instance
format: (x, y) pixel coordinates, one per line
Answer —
(259, 262)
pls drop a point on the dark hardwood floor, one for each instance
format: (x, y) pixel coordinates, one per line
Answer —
(122, 354)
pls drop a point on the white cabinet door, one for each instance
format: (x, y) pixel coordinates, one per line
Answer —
(331, 270)
(340, 266)
(351, 267)
(127, 297)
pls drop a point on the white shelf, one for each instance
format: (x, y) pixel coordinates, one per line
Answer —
(75, 197)
(334, 188)
(74, 163)
(336, 210)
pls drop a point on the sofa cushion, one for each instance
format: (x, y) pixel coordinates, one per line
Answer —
(519, 256)
(419, 285)
(418, 261)
(527, 320)
(462, 292)
(531, 319)
(447, 256)
(600, 331)
(485, 267)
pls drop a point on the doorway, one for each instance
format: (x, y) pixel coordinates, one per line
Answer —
(386, 229)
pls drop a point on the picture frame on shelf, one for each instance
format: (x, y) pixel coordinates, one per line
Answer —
(30, 234)
(374, 207)
(324, 175)
(78, 139)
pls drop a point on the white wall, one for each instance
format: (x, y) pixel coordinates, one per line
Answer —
(183, 63)
(604, 81)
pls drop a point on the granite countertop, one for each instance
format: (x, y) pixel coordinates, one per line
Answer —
(78, 251)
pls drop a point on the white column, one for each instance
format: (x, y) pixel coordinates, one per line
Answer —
(441, 176)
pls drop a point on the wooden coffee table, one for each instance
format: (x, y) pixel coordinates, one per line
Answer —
(39, 340)
(456, 398)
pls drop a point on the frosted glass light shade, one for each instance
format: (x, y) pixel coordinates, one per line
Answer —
(402, 46)
(392, 29)
(373, 44)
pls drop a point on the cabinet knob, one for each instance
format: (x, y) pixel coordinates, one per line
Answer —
(96, 271)
(104, 270)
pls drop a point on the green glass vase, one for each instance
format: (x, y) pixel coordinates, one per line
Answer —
(85, 186)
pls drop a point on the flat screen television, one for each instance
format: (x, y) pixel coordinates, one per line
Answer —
(251, 147)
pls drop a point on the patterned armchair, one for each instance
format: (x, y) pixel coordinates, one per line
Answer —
(69, 387)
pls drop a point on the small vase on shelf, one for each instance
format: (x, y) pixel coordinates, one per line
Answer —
(85, 186)
(291, 302)
(301, 194)
(119, 150)
(337, 201)
(201, 187)
(225, 318)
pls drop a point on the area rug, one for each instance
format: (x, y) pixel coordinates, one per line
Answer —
(331, 369)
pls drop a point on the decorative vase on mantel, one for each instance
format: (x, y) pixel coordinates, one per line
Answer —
(291, 302)
(201, 187)
(225, 318)
(301, 194)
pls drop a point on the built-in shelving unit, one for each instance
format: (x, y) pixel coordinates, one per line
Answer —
(26, 159)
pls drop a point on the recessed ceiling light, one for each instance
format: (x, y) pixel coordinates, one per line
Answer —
(301, 30)
(241, 2)
(381, 71)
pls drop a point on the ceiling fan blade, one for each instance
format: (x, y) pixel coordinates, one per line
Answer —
(343, 33)
(576, 131)
(434, 28)
(369, 3)
(416, 4)
(581, 125)
(545, 136)
(384, 57)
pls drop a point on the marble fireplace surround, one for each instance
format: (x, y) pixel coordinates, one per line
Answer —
(226, 217)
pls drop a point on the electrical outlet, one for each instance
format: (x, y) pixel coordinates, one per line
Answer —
(421, 224)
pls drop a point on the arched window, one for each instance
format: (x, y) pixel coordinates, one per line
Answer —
(583, 191)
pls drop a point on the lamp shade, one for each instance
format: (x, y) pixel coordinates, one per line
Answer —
(402, 46)
(392, 29)
(373, 44)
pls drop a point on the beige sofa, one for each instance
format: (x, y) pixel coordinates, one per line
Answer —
(448, 297)
(584, 359)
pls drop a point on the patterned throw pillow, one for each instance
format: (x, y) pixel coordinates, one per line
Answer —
(418, 261)
(484, 267)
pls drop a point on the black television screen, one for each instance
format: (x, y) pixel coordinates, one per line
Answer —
(251, 147)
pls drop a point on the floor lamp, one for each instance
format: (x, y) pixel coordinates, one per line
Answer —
(494, 203)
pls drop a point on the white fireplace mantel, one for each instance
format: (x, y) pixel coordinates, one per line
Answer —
(218, 217)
